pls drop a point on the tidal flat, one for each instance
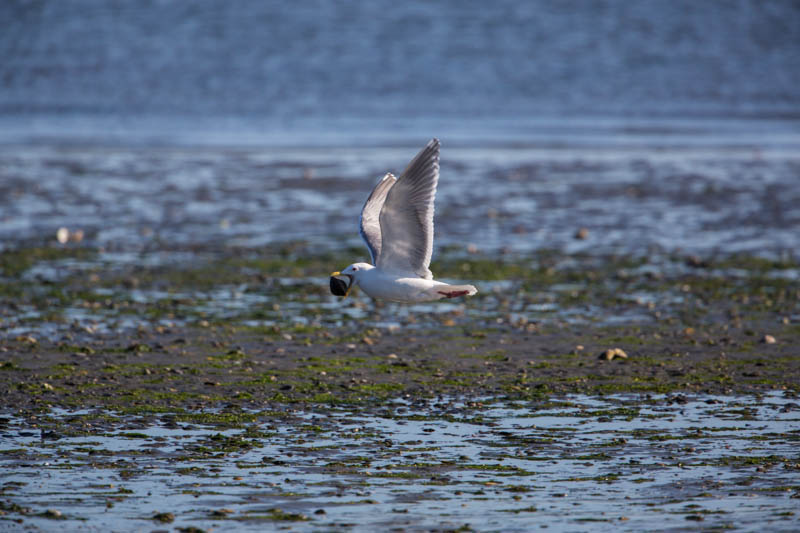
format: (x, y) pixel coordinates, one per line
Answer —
(227, 390)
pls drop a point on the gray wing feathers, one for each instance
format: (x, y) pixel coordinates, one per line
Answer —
(370, 227)
(406, 219)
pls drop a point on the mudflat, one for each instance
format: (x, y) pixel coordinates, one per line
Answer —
(234, 391)
(254, 327)
(191, 368)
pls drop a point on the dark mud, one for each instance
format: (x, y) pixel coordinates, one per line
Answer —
(195, 369)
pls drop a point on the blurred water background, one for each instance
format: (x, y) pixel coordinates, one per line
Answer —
(655, 125)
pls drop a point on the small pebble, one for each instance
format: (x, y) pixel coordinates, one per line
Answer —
(768, 339)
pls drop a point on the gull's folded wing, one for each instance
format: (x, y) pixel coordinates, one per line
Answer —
(406, 219)
(370, 226)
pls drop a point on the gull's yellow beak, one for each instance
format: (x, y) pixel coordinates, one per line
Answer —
(349, 285)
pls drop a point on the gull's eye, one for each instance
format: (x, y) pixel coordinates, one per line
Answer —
(355, 268)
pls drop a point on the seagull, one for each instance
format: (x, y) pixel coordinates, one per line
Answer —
(397, 226)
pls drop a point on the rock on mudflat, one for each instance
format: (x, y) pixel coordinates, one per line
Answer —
(613, 353)
(768, 339)
(164, 517)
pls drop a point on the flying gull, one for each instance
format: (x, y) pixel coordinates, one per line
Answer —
(397, 225)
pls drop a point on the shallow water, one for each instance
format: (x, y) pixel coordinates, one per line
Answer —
(615, 463)
(522, 199)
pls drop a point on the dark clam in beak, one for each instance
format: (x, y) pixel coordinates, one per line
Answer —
(339, 287)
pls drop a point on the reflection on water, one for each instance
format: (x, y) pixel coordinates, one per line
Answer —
(633, 464)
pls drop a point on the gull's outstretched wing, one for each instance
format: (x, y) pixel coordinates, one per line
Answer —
(406, 219)
(370, 226)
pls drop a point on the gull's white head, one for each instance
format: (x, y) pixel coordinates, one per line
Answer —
(353, 273)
